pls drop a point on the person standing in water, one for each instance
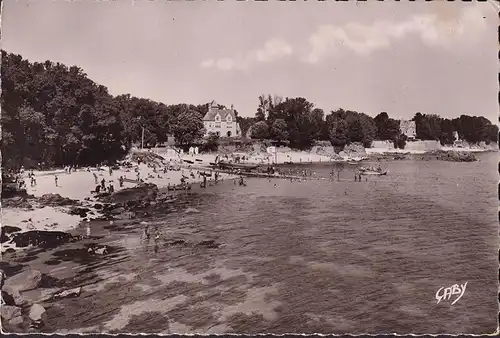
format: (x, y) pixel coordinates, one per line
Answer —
(95, 178)
(55, 180)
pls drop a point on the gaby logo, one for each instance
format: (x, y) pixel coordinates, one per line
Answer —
(446, 293)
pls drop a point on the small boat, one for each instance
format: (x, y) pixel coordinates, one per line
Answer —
(179, 187)
(369, 172)
(188, 161)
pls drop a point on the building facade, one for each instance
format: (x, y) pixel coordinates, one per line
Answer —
(409, 129)
(221, 122)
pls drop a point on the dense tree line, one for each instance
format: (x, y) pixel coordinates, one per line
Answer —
(297, 121)
(56, 115)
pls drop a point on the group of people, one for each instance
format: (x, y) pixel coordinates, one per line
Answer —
(102, 186)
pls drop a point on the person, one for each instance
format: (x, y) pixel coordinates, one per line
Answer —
(55, 180)
(110, 171)
(355, 177)
(98, 189)
(111, 188)
(95, 178)
(103, 184)
(32, 181)
(121, 181)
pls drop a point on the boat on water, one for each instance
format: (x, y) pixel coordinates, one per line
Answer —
(241, 166)
(372, 171)
(368, 172)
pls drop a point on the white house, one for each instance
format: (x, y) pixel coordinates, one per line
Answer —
(221, 122)
(409, 129)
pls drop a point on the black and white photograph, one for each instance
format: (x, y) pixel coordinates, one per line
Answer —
(249, 167)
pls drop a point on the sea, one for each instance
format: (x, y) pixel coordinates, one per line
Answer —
(316, 256)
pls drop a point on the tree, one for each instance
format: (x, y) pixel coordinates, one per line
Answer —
(188, 127)
(355, 132)
(386, 128)
(338, 133)
(245, 124)
(279, 130)
(212, 142)
(260, 131)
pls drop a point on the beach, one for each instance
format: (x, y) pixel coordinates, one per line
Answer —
(346, 256)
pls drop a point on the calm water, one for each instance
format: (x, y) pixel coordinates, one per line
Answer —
(322, 256)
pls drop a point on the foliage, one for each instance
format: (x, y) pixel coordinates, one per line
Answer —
(260, 131)
(279, 130)
(212, 142)
(54, 114)
(188, 127)
(386, 128)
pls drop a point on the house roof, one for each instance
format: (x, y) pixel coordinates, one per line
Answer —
(210, 116)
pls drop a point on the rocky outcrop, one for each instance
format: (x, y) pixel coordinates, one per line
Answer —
(80, 211)
(26, 280)
(141, 193)
(42, 239)
(454, 156)
(56, 200)
(353, 150)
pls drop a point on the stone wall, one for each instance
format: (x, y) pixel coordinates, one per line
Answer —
(423, 145)
(383, 144)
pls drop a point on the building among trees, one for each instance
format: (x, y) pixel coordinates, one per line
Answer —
(221, 122)
(408, 128)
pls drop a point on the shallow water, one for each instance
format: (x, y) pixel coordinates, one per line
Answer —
(316, 256)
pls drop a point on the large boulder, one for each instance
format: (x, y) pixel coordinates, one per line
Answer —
(26, 280)
(11, 296)
(8, 312)
(143, 192)
(41, 238)
(38, 315)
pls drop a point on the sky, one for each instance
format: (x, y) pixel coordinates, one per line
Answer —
(398, 57)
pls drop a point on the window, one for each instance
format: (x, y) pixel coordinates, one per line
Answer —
(217, 117)
(229, 119)
(217, 125)
(229, 134)
(218, 133)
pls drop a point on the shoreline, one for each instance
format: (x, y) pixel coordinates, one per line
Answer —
(79, 184)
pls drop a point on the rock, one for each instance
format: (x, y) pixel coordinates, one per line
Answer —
(68, 293)
(209, 244)
(16, 320)
(8, 312)
(42, 239)
(101, 251)
(6, 230)
(98, 206)
(192, 211)
(11, 296)
(37, 314)
(82, 212)
(142, 193)
(56, 200)
(118, 211)
(26, 280)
